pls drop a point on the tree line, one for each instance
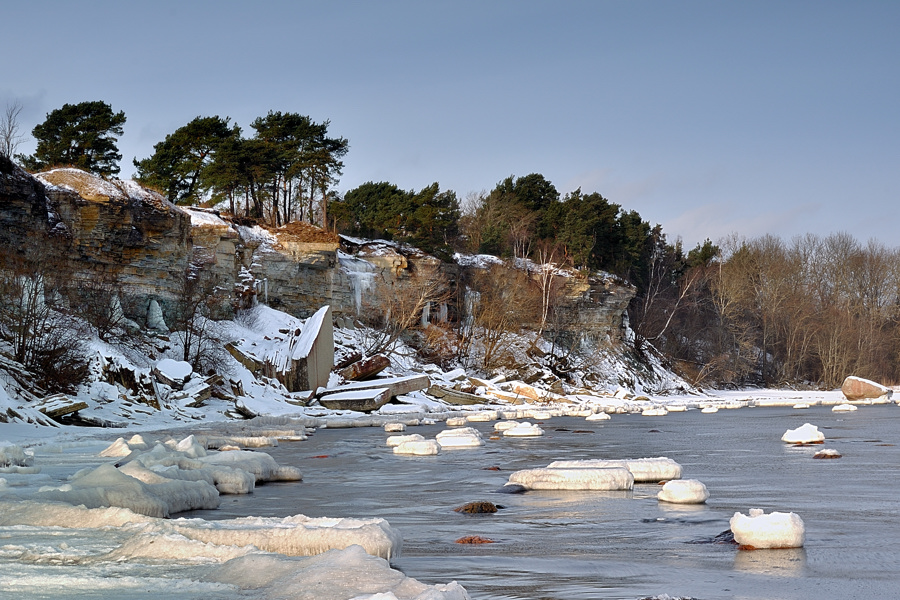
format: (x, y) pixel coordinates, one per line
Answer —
(740, 311)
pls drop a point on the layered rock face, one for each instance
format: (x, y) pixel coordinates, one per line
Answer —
(117, 229)
(594, 309)
(23, 207)
(145, 243)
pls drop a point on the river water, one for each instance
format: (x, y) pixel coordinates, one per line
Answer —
(597, 545)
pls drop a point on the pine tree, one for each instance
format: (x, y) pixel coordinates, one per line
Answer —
(79, 135)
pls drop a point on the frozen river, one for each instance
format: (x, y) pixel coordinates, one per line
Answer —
(571, 545)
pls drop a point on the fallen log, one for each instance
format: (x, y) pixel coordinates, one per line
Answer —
(364, 369)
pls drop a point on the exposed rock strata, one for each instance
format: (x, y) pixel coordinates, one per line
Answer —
(145, 243)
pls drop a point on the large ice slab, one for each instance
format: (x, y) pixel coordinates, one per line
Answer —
(645, 470)
(773, 530)
(594, 479)
(805, 434)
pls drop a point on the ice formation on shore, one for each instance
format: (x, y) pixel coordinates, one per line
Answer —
(773, 530)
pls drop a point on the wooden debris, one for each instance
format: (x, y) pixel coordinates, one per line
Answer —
(364, 369)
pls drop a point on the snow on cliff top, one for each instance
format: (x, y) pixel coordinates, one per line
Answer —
(95, 188)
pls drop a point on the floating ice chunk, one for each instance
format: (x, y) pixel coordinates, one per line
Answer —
(684, 491)
(645, 470)
(465, 437)
(394, 427)
(602, 416)
(843, 408)
(504, 425)
(805, 434)
(457, 422)
(524, 429)
(801, 405)
(614, 478)
(709, 410)
(676, 407)
(775, 530)
(260, 464)
(418, 447)
(396, 440)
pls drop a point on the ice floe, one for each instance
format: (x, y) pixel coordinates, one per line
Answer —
(805, 434)
(773, 530)
(418, 447)
(524, 429)
(644, 470)
(466, 437)
(684, 491)
(593, 479)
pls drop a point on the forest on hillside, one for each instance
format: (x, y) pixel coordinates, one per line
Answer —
(738, 311)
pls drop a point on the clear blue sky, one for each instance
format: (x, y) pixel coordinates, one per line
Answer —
(708, 117)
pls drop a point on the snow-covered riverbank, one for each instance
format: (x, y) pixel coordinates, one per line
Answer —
(59, 549)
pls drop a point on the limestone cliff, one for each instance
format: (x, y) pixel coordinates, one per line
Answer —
(118, 228)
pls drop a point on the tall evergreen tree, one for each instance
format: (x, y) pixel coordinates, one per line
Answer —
(179, 162)
(79, 135)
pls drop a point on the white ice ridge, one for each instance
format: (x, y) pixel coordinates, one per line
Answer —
(805, 434)
(107, 486)
(349, 573)
(593, 479)
(464, 437)
(775, 530)
(645, 470)
(293, 536)
(684, 491)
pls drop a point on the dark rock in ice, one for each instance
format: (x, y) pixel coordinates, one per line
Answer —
(480, 507)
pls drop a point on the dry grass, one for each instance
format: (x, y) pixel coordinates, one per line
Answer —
(299, 231)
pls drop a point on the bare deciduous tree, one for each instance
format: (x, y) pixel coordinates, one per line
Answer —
(10, 137)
